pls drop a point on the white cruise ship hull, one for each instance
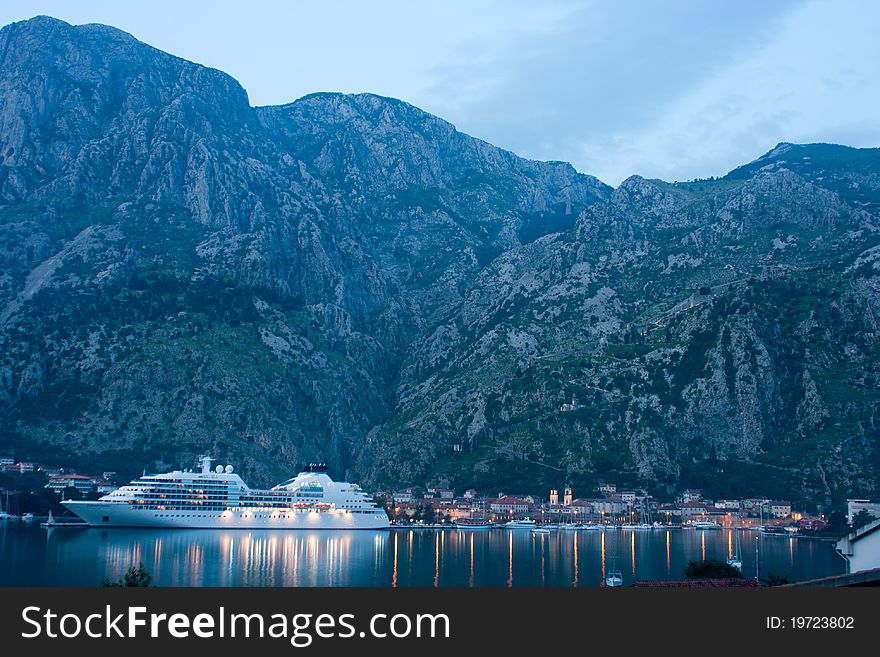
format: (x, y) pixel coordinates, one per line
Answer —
(115, 514)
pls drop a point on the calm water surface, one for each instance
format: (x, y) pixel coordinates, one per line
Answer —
(33, 556)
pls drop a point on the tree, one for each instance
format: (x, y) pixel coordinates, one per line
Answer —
(711, 569)
(71, 493)
(429, 516)
(837, 524)
(776, 580)
(861, 519)
(134, 577)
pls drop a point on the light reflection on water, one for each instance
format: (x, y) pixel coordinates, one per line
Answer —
(30, 555)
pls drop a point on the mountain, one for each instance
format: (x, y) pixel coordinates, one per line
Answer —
(349, 279)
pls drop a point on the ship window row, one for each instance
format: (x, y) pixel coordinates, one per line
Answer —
(183, 482)
(193, 485)
(287, 514)
(242, 510)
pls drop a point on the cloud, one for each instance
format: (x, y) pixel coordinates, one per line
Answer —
(674, 89)
(815, 80)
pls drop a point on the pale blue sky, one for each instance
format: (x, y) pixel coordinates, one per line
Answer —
(671, 89)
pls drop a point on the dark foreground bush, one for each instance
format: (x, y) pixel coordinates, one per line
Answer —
(711, 569)
(134, 576)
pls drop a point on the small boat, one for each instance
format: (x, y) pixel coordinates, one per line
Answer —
(9, 515)
(473, 523)
(614, 578)
(771, 531)
(735, 559)
(525, 523)
(792, 529)
(571, 526)
(591, 527)
(540, 530)
(706, 524)
(51, 522)
(27, 517)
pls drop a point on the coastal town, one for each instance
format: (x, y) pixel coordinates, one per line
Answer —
(31, 490)
(437, 503)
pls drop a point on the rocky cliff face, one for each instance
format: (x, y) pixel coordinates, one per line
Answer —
(350, 279)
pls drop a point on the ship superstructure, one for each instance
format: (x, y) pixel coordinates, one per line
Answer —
(220, 499)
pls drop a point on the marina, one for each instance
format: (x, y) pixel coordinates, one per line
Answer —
(31, 555)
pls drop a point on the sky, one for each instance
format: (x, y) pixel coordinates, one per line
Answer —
(673, 89)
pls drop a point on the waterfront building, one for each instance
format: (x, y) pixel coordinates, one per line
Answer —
(755, 503)
(455, 510)
(81, 483)
(728, 505)
(685, 510)
(861, 548)
(854, 506)
(610, 506)
(607, 489)
(581, 510)
(508, 505)
(780, 509)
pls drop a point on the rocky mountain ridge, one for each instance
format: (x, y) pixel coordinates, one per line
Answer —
(350, 279)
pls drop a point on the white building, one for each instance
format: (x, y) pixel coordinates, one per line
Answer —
(861, 548)
(691, 495)
(403, 496)
(82, 483)
(854, 506)
(780, 509)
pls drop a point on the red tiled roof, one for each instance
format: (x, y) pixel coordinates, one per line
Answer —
(508, 500)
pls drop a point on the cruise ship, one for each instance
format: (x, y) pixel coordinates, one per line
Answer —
(219, 499)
